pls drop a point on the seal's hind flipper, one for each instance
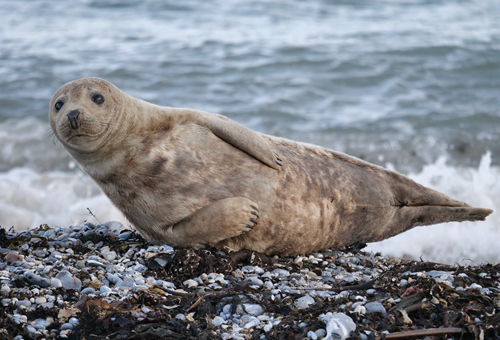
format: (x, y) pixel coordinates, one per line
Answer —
(408, 217)
(244, 139)
(416, 205)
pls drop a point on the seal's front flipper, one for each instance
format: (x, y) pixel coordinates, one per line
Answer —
(244, 139)
(220, 220)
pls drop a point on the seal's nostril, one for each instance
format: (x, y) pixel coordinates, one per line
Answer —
(73, 114)
(72, 117)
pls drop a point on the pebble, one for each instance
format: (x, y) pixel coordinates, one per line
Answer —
(372, 307)
(109, 256)
(217, 321)
(41, 300)
(105, 289)
(5, 290)
(190, 283)
(69, 281)
(304, 302)
(338, 325)
(312, 335)
(118, 273)
(253, 281)
(88, 290)
(320, 333)
(41, 324)
(281, 272)
(253, 309)
(36, 279)
(13, 256)
(55, 283)
(66, 325)
(30, 329)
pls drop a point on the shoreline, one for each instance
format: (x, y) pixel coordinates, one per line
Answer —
(105, 282)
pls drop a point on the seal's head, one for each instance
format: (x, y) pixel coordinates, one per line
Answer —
(83, 113)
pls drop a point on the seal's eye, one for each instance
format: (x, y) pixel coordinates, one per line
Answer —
(58, 105)
(98, 99)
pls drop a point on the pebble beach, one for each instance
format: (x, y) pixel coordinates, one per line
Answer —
(103, 281)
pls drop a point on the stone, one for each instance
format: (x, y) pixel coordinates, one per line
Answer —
(41, 300)
(41, 324)
(69, 281)
(66, 325)
(372, 307)
(55, 283)
(304, 302)
(190, 283)
(253, 281)
(109, 256)
(311, 335)
(5, 290)
(13, 256)
(253, 309)
(338, 326)
(320, 332)
(217, 321)
(36, 279)
(281, 272)
(88, 290)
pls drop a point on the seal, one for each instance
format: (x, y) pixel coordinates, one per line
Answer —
(190, 178)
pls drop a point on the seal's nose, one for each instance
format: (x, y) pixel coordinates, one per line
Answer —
(73, 118)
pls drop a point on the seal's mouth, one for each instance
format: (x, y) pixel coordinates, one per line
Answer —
(79, 135)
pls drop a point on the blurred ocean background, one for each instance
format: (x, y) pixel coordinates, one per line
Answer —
(412, 85)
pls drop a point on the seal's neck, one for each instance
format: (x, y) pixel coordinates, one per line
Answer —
(133, 129)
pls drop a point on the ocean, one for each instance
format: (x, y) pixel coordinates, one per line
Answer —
(410, 85)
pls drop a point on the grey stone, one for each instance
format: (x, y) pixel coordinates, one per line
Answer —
(109, 256)
(104, 289)
(253, 281)
(31, 329)
(217, 321)
(36, 279)
(41, 324)
(304, 302)
(281, 272)
(311, 335)
(125, 283)
(66, 325)
(69, 281)
(253, 309)
(114, 279)
(96, 264)
(113, 225)
(55, 283)
(125, 235)
(372, 307)
(88, 290)
(338, 326)
(5, 290)
(161, 261)
(320, 332)
(24, 303)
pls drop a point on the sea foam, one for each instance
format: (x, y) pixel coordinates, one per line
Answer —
(462, 243)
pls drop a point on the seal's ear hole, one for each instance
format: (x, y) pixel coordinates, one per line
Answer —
(58, 105)
(98, 99)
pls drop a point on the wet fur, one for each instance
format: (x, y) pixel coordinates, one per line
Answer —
(186, 177)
